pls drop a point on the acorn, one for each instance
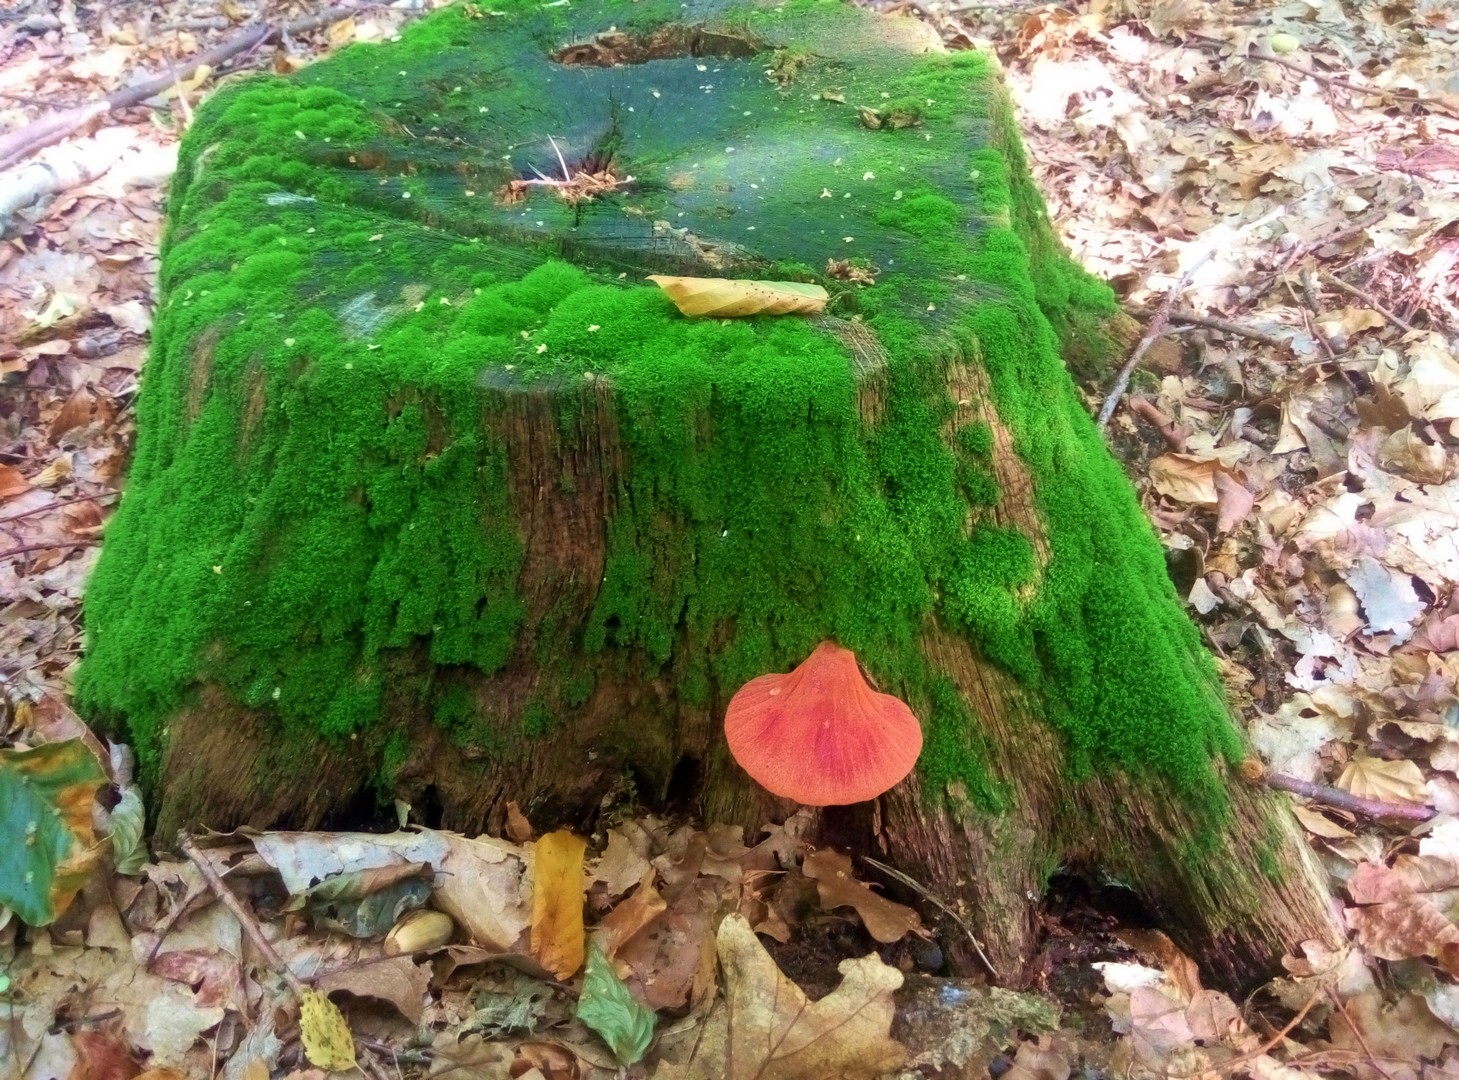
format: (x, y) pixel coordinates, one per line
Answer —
(418, 931)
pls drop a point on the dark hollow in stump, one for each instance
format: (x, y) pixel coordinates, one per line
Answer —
(435, 497)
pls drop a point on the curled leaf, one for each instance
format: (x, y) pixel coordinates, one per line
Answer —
(723, 298)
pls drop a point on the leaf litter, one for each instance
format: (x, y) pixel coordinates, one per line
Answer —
(1292, 434)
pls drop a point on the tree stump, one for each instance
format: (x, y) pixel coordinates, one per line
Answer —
(435, 497)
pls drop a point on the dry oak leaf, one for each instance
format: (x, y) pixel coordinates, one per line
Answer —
(883, 919)
(765, 1028)
(723, 298)
(1186, 479)
(559, 939)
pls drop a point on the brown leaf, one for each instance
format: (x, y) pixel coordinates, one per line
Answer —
(558, 936)
(519, 829)
(1401, 1032)
(632, 915)
(1186, 479)
(884, 920)
(12, 482)
(397, 980)
(1374, 778)
(1233, 502)
(722, 298)
(779, 1035)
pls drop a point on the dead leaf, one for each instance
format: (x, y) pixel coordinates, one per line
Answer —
(1186, 479)
(779, 1035)
(1320, 824)
(632, 915)
(723, 298)
(397, 980)
(519, 829)
(1391, 781)
(12, 482)
(322, 1028)
(884, 920)
(559, 939)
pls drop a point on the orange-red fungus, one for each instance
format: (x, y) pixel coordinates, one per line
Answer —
(821, 735)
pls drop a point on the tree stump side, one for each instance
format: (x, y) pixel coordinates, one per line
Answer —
(433, 498)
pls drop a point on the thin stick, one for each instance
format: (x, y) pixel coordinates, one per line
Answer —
(1358, 1034)
(53, 545)
(1270, 1044)
(1353, 290)
(1155, 329)
(48, 130)
(1188, 318)
(60, 503)
(922, 891)
(245, 919)
(1357, 804)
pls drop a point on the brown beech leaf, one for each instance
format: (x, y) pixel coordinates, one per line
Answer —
(884, 920)
(779, 1035)
(1375, 778)
(723, 298)
(1186, 479)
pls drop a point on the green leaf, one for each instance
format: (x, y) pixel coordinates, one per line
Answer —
(128, 828)
(46, 842)
(606, 1006)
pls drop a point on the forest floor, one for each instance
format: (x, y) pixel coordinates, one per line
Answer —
(1274, 184)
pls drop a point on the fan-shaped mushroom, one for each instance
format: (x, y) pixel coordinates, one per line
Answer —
(821, 735)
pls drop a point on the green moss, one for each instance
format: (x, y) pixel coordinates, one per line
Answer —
(976, 440)
(954, 752)
(538, 719)
(318, 486)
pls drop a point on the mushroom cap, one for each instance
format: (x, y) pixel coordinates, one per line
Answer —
(821, 735)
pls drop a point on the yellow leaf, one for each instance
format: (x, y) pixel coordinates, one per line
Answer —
(723, 298)
(1392, 781)
(558, 936)
(341, 33)
(327, 1040)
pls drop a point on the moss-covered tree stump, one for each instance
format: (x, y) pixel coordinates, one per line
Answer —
(435, 497)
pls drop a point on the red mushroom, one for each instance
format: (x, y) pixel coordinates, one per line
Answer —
(821, 735)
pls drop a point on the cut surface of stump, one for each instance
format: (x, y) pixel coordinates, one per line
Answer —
(436, 497)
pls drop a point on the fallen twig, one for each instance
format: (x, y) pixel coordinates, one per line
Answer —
(239, 912)
(1342, 800)
(1153, 331)
(48, 130)
(922, 891)
(46, 545)
(1353, 290)
(1309, 296)
(1188, 318)
(58, 504)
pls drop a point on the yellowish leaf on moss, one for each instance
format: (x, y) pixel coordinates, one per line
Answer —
(327, 1040)
(558, 935)
(725, 298)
